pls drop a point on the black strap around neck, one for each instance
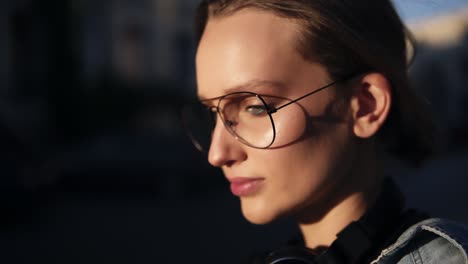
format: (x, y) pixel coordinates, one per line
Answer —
(358, 239)
(361, 240)
(380, 226)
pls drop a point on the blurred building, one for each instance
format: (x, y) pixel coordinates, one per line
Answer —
(91, 88)
(139, 40)
(440, 71)
(445, 30)
(23, 67)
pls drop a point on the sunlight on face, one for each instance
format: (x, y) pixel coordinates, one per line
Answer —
(298, 174)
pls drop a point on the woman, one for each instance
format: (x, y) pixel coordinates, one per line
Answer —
(307, 98)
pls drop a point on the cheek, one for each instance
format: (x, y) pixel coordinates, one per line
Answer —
(306, 144)
(309, 168)
(297, 177)
(295, 170)
(308, 121)
(290, 125)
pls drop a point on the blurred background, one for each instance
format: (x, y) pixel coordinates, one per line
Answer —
(95, 166)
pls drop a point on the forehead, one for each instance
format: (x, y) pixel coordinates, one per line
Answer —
(245, 46)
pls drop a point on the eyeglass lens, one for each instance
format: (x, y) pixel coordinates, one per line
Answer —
(244, 115)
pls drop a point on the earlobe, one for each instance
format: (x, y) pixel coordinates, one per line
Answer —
(370, 104)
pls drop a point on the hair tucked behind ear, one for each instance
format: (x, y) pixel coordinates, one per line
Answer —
(348, 36)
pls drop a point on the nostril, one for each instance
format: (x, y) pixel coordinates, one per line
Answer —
(229, 163)
(221, 159)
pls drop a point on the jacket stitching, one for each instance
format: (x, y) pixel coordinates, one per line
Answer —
(437, 227)
(429, 225)
(441, 233)
(397, 245)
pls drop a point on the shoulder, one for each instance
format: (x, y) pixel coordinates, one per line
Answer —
(431, 241)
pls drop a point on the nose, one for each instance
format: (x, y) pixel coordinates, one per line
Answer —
(225, 150)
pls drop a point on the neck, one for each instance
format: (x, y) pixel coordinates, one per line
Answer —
(358, 193)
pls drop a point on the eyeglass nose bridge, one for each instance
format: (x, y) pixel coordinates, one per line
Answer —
(228, 124)
(217, 111)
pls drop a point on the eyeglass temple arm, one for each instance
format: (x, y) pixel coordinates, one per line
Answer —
(275, 109)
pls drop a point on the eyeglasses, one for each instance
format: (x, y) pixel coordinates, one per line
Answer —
(246, 115)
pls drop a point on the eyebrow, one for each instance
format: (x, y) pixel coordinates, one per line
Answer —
(255, 86)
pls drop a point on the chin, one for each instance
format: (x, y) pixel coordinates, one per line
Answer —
(258, 214)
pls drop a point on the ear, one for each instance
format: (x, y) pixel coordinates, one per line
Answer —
(370, 104)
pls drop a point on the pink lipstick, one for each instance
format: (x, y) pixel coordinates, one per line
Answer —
(245, 186)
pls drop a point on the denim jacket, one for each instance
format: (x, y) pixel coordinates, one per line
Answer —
(431, 241)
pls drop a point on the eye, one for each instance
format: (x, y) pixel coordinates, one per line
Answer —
(256, 110)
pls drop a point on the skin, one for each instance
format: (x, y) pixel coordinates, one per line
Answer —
(322, 168)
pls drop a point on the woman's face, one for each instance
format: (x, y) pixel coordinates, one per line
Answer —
(304, 170)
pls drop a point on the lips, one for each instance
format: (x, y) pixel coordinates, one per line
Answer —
(245, 186)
